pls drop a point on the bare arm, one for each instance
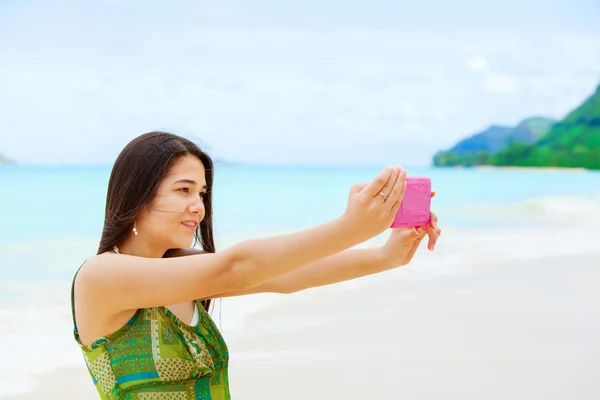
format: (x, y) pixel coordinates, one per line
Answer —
(121, 282)
(349, 264)
(344, 266)
(353, 263)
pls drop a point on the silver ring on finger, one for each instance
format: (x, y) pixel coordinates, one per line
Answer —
(385, 196)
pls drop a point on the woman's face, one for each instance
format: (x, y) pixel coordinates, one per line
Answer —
(178, 207)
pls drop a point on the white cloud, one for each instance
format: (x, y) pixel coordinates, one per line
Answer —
(499, 83)
(478, 64)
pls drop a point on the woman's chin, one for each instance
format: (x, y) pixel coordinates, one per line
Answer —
(182, 239)
(184, 242)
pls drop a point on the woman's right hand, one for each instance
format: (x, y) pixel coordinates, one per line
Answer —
(372, 206)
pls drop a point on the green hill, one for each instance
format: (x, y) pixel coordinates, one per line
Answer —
(573, 142)
(479, 148)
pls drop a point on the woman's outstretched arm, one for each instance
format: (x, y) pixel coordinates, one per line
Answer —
(346, 265)
(112, 283)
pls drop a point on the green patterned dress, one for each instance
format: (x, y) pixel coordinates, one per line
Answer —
(157, 356)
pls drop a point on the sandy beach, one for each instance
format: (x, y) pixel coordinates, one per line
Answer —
(464, 322)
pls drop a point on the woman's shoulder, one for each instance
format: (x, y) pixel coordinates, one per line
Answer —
(94, 261)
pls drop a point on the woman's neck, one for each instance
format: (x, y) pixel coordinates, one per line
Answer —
(135, 246)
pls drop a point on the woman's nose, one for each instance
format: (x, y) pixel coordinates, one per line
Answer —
(196, 206)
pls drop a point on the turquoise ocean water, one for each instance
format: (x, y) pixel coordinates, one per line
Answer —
(42, 205)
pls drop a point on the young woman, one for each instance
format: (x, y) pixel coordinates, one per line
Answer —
(140, 305)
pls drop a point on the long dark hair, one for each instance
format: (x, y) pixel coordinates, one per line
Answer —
(134, 180)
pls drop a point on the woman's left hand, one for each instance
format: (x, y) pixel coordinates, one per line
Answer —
(404, 242)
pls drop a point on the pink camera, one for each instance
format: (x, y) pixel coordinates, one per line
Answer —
(415, 209)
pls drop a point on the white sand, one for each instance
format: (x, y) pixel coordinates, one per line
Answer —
(466, 322)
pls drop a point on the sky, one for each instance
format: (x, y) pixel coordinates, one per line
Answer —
(286, 82)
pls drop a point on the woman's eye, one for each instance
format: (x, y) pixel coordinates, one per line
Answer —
(202, 194)
(184, 190)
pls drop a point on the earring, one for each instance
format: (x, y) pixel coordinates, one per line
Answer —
(135, 232)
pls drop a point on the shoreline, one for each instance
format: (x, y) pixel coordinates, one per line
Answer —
(540, 169)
